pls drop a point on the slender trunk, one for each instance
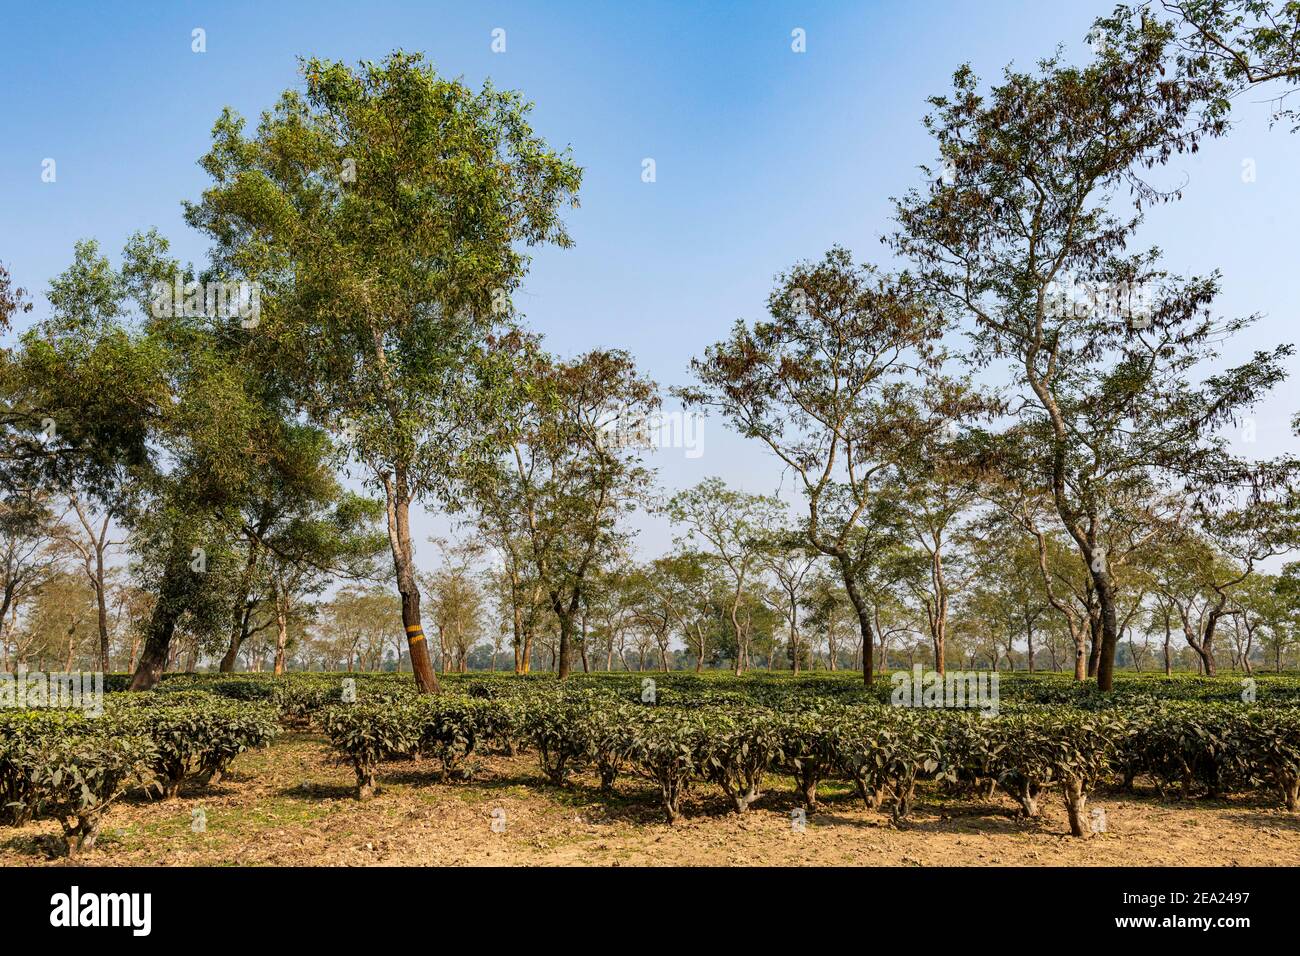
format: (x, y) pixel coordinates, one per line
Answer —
(101, 602)
(741, 650)
(1029, 642)
(281, 634)
(1080, 652)
(864, 620)
(1207, 642)
(1169, 660)
(399, 538)
(794, 643)
(1087, 544)
(1094, 638)
(518, 624)
(940, 623)
(243, 613)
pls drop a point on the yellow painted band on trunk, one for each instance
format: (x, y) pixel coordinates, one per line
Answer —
(414, 638)
(412, 628)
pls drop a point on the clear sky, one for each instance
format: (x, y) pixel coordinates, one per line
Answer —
(763, 156)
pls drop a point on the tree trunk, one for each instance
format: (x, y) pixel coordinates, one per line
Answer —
(157, 648)
(1206, 650)
(565, 616)
(1094, 639)
(399, 538)
(162, 622)
(735, 629)
(281, 634)
(940, 624)
(563, 659)
(238, 634)
(242, 616)
(101, 602)
(1080, 653)
(864, 620)
(517, 623)
(1169, 658)
(1109, 632)
(1076, 802)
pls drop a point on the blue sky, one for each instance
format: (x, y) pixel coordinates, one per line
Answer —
(763, 156)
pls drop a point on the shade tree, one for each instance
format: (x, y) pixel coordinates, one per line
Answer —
(1021, 237)
(730, 527)
(387, 210)
(824, 383)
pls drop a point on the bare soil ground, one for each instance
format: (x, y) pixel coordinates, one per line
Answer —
(292, 805)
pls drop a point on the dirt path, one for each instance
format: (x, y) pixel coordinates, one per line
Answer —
(292, 805)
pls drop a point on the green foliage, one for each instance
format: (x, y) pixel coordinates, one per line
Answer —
(886, 750)
(387, 210)
(1272, 745)
(19, 730)
(806, 749)
(668, 748)
(729, 732)
(556, 728)
(741, 749)
(365, 734)
(448, 728)
(74, 777)
(195, 738)
(1192, 747)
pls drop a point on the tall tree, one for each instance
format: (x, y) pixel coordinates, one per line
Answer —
(1023, 214)
(731, 528)
(168, 445)
(825, 385)
(786, 556)
(89, 540)
(568, 475)
(385, 210)
(685, 580)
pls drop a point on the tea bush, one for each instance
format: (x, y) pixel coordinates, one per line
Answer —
(1188, 736)
(74, 777)
(196, 736)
